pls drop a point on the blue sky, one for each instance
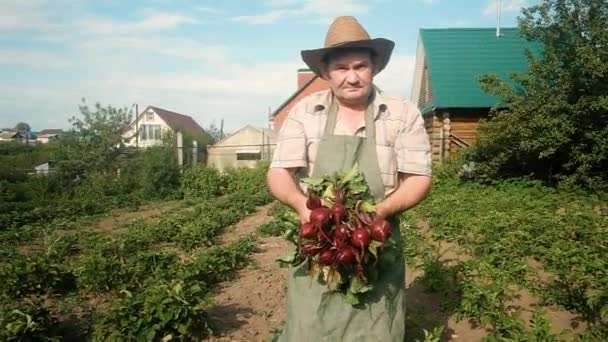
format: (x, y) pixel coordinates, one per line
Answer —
(210, 59)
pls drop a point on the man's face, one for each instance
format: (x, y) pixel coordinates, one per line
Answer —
(350, 76)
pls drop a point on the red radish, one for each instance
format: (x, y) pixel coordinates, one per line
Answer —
(341, 232)
(308, 231)
(327, 256)
(311, 250)
(346, 256)
(338, 211)
(360, 238)
(313, 202)
(380, 230)
(319, 216)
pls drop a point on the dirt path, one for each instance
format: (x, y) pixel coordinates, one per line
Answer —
(251, 306)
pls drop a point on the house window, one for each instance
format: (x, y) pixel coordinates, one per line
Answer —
(149, 132)
(248, 155)
(150, 116)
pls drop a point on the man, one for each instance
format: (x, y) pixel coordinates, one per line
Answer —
(330, 131)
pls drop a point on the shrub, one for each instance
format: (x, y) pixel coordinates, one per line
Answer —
(201, 182)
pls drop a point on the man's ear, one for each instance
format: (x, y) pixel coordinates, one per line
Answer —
(323, 71)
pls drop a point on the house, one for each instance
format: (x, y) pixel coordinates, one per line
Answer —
(47, 135)
(308, 83)
(243, 148)
(449, 63)
(153, 123)
(12, 136)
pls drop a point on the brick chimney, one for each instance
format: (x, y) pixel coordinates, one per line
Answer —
(304, 76)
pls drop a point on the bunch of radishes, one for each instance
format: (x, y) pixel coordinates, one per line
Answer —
(339, 237)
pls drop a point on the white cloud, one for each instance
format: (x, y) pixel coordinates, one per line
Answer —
(396, 79)
(506, 6)
(317, 10)
(150, 21)
(266, 18)
(34, 59)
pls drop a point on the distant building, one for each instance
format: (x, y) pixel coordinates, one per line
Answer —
(47, 135)
(308, 83)
(12, 136)
(446, 85)
(154, 122)
(243, 148)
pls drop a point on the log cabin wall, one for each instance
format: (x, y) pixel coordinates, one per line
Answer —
(451, 130)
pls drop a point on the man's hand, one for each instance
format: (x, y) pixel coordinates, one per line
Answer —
(411, 190)
(284, 188)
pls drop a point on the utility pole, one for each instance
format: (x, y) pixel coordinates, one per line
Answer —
(499, 7)
(222, 129)
(136, 126)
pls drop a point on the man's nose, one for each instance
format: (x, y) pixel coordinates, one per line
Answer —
(351, 77)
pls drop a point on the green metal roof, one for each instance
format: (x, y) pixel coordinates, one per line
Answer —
(457, 57)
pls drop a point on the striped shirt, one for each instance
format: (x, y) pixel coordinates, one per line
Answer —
(402, 142)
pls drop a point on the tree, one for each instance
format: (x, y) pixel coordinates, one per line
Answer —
(553, 124)
(214, 132)
(23, 127)
(94, 143)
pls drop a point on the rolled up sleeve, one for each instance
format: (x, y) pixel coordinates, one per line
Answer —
(412, 145)
(290, 151)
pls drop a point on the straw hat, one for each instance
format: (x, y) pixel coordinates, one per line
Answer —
(346, 32)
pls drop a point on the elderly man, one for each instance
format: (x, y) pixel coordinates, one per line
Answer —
(330, 131)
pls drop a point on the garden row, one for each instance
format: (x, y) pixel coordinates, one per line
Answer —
(147, 280)
(513, 237)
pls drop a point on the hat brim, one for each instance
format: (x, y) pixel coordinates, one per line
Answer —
(382, 47)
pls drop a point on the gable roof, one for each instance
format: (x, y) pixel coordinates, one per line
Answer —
(268, 133)
(50, 131)
(455, 58)
(177, 121)
(294, 95)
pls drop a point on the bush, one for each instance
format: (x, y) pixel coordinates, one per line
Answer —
(170, 309)
(27, 321)
(201, 182)
(159, 172)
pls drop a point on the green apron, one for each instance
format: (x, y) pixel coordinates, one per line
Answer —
(314, 313)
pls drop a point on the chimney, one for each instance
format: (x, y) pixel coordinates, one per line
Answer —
(304, 76)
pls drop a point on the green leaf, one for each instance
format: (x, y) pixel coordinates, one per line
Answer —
(287, 259)
(350, 175)
(357, 286)
(313, 182)
(329, 193)
(351, 298)
(373, 247)
(367, 207)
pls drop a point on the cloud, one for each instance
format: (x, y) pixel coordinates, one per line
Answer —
(506, 6)
(396, 79)
(34, 59)
(151, 21)
(317, 10)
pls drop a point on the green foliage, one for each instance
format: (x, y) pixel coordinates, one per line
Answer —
(553, 125)
(27, 321)
(21, 276)
(169, 309)
(201, 182)
(158, 172)
(247, 181)
(500, 229)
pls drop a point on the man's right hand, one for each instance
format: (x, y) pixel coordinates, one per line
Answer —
(302, 210)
